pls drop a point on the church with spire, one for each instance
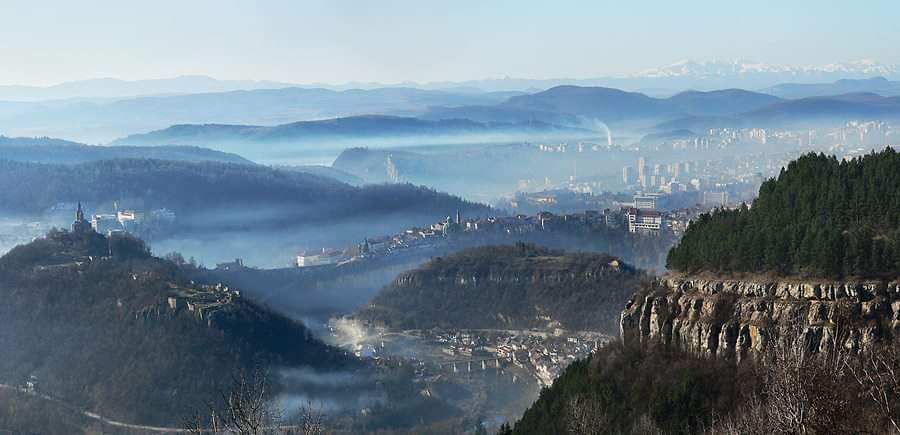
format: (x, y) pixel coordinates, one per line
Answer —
(80, 225)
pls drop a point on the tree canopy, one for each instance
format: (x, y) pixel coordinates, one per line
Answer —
(821, 217)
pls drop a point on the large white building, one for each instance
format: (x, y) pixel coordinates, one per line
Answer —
(128, 219)
(326, 257)
(644, 221)
(105, 223)
(120, 220)
(648, 201)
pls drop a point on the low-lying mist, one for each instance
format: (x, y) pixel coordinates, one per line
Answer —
(323, 151)
(262, 237)
(331, 393)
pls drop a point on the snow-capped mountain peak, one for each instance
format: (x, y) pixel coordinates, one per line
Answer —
(742, 67)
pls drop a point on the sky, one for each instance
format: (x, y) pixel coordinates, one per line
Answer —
(45, 42)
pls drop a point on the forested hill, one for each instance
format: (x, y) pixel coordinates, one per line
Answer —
(821, 217)
(266, 196)
(158, 182)
(364, 127)
(49, 150)
(631, 390)
(131, 337)
(508, 287)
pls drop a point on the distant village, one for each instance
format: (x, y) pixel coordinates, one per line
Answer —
(541, 354)
(643, 215)
(544, 355)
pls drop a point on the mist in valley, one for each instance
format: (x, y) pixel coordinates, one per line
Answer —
(394, 221)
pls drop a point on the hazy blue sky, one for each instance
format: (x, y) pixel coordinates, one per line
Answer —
(43, 42)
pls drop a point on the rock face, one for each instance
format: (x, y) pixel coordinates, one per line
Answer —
(737, 318)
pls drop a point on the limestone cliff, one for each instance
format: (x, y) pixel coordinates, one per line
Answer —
(736, 317)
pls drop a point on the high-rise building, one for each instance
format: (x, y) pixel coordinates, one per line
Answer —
(715, 198)
(627, 175)
(675, 169)
(642, 171)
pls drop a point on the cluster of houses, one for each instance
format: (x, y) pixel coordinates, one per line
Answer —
(640, 216)
(544, 356)
(428, 237)
(462, 343)
(644, 219)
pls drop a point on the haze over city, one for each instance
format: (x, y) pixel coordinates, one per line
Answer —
(399, 217)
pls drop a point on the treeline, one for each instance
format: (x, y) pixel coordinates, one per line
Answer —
(639, 250)
(513, 286)
(821, 216)
(50, 150)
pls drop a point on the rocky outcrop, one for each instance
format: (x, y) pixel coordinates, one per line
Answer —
(466, 278)
(737, 318)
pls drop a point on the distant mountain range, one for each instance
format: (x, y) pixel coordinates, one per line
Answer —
(333, 135)
(163, 103)
(745, 74)
(688, 74)
(742, 67)
(838, 107)
(691, 110)
(116, 88)
(875, 85)
(809, 111)
(684, 74)
(584, 106)
(613, 104)
(354, 126)
(568, 112)
(105, 120)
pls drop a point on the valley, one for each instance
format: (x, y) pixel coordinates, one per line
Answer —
(457, 218)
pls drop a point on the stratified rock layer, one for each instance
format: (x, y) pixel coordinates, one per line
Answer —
(737, 318)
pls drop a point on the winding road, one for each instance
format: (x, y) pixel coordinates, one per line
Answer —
(92, 415)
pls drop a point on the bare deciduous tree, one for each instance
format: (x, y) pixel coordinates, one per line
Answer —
(877, 372)
(586, 416)
(804, 385)
(751, 419)
(246, 410)
(311, 420)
